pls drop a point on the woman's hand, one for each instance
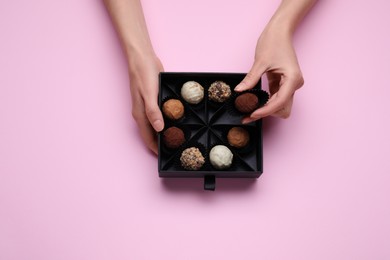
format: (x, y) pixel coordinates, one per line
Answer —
(143, 72)
(275, 56)
(144, 67)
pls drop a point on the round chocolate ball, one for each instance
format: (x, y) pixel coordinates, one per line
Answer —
(192, 92)
(192, 159)
(219, 91)
(173, 137)
(173, 109)
(246, 103)
(221, 157)
(238, 137)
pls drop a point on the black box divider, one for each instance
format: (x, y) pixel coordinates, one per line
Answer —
(250, 158)
(238, 162)
(227, 119)
(199, 141)
(200, 115)
(195, 134)
(215, 112)
(190, 131)
(167, 90)
(198, 109)
(190, 117)
(223, 130)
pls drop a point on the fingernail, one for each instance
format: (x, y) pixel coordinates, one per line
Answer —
(238, 87)
(246, 121)
(158, 125)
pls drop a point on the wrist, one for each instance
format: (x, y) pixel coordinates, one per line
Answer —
(137, 56)
(280, 24)
(141, 49)
(142, 63)
(279, 30)
(290, 13)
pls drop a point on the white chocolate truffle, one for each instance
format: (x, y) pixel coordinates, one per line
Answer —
(221, 157)
(192, 92)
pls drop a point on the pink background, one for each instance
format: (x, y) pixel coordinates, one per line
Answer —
(77, 183)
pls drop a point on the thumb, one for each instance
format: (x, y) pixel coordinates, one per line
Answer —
(154, 115)
(251, 78)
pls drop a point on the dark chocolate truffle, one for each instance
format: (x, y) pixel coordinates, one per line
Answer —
(173, 109)
(238, 137)
(192, 159)
(219, 91)
(246, 103)
(173, 137)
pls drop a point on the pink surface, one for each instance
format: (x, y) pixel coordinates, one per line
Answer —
(77, 183)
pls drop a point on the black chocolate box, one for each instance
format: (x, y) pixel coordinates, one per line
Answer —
(206, 124)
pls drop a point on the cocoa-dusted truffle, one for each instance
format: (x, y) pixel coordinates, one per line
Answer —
(192, 92)
(238, 137)
(173, 109)
(221, 157)
(219, 91)
(173, 137)
(192, 159)
(246, 103)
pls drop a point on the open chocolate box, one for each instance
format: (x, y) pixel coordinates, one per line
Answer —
(205, 125)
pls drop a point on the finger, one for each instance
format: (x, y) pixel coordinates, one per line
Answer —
(249, 119)
(147, 133)
(285, 112)
(271, 107)
(251, 78)
(154, 114)
(277, 101)
(282, 113)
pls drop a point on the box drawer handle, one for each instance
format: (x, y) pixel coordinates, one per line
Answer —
(209, 182)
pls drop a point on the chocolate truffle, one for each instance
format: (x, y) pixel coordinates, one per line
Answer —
(173, 137)
(192, 92)
(221, 157)
(238, 137)
(192, 159)
(219, 91)
(173, 109)
(246, 103)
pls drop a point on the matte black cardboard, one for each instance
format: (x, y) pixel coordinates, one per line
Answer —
(206, 125)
